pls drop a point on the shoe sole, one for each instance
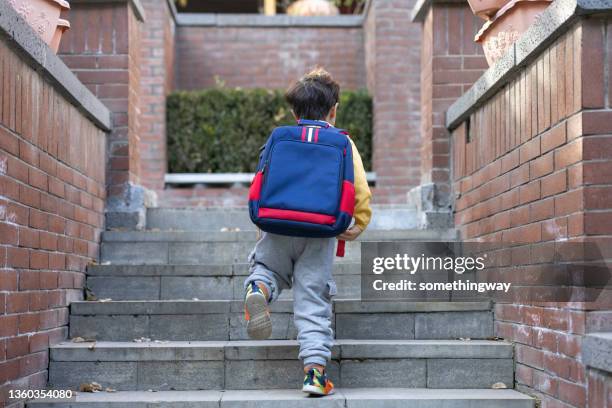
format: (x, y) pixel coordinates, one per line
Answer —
(314, 390)
(259, 327)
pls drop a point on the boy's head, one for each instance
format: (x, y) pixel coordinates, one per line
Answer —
(314, 96)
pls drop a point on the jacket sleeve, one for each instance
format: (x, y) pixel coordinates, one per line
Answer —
(363, 211)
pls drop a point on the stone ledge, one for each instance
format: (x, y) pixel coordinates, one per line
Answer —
(555, 19)
(135, 4)
(597, 351)
(20, 37)
(419, 11)
(258, 20)
(172, 8)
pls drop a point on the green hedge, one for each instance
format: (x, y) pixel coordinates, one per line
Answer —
(220, 130)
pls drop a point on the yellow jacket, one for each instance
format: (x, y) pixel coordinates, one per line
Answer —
(363, 211)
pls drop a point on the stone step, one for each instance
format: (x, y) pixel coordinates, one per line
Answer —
(215, 247)
(292, 398)
(273, 364)
(223, 320)
(386, 217)
(205, 282)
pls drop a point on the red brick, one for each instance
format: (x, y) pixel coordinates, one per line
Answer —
(28, 153)
(39, 260)
(541, 209)
(569, 202)
(39, 220)
(8, 234)
(9, 370)
(18, 257)
(29, 322)
(553, 138)
(17, 302)
(8, 326)
(529, 192)
(29, 238)
(592, 58)
(529, 150)
(17, 347)
(554, 184)
(38, 179)
(598, 223)
(574, 394)
(17, 169)
(568, 154)
(33, 363)
(541, 166)
(39, 342)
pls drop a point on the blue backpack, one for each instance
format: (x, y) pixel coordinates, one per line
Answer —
(304, 183)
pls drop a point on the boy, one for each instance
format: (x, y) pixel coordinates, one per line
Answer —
(279, 262)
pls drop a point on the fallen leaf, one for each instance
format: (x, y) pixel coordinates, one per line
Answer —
(499, 386)
(82, 340)
(90, 387)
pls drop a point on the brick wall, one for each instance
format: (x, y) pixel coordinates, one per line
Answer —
(267, 57)
(392, 45)
(157, 79)
(450, 63)
(599, 388)
(51, 203)
(102, 49)
(534, 169)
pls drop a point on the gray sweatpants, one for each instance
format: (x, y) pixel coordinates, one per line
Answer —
(281, 262)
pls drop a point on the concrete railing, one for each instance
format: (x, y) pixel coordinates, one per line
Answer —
(232, 179)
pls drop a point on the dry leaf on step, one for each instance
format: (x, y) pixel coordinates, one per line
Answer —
(82, 340)
(499, 386)
(90, 387)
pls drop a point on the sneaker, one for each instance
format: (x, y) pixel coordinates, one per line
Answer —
(317, 383)
(256, 313)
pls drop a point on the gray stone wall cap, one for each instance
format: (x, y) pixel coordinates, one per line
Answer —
(421, 7)
(172, 8)
(550, 26)
(136, 5)
(20, 37)
(597, 351)
(258, 20)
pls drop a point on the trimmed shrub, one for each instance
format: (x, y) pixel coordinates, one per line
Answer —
(220, 130)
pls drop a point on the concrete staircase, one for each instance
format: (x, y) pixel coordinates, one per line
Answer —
(176, 289)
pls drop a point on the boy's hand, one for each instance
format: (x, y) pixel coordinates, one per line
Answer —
(350, 234)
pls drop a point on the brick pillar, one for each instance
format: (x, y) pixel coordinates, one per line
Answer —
(103, 49)
(157, 80)
(450, 63)
(392, 47)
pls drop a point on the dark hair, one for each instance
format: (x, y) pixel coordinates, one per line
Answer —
(313, 95)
